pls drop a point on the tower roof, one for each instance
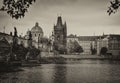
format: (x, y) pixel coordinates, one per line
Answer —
(59, 20)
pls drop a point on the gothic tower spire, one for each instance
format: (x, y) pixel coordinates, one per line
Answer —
(59, 20)
(60, 35)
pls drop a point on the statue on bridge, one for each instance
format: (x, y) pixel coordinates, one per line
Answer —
(15, 32)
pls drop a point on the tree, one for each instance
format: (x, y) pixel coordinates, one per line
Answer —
(93, 50)
(74, 47)
(33, 52)
(20, 51)
(77, 47)
(114, 5)
(16, 8)
(103, 50)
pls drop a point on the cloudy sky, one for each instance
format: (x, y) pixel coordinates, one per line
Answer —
(83, 17)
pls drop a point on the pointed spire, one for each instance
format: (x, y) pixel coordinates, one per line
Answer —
(65, 23)
(59, 20)
(4, 29)
(103, 34)
(94, 34)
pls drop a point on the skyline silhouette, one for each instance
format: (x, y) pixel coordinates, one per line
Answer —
(88, 17)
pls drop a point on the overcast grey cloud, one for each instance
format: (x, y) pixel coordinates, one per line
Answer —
(83, 17)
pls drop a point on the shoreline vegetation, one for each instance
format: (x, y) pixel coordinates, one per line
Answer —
(56, 60)
(14, 66)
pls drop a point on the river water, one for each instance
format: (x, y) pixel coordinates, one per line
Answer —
(84, 71)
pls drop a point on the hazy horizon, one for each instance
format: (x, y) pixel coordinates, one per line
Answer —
(83, 17)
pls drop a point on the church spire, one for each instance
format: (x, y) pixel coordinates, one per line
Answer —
(103, 34)
(4, 29)
(59, 20)
(65, 24)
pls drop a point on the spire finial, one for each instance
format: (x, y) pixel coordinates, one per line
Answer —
(103, 34)
(36, 24)
(59, 20)
(4, 29)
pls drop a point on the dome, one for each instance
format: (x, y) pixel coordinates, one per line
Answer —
(37, 28)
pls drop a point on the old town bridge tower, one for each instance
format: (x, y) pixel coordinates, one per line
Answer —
(60, 36)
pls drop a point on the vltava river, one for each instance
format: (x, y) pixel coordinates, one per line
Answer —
(84, 71)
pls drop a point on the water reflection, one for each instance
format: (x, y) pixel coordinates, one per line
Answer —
(60, 74)
(85, 71)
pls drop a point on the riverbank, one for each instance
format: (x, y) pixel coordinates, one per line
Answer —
(61, 59)
(54, 60)
(5, 67)
(88, 57)
(64, 59)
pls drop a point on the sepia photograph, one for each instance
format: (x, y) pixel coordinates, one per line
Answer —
(59, 41)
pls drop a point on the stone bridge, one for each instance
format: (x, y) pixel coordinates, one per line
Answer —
(21, 40)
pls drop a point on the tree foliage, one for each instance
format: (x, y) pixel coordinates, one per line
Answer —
(74, 47)
(20, 51)
(114, 5)
(103, 50)
(33, 52)
(93, 50)
(16, 8)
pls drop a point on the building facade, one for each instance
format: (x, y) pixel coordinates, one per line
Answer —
(32, 37)
(111, 43)
(9, 38)
(86, 42)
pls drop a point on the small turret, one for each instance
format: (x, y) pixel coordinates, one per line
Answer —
(10, 33)
(65, 24)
